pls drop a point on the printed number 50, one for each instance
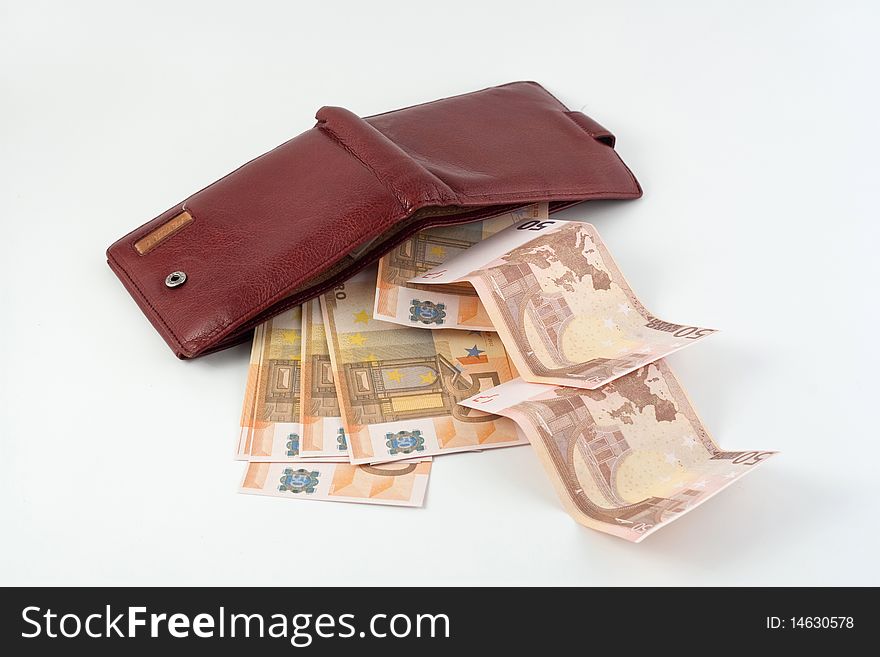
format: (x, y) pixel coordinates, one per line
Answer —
(534, 225)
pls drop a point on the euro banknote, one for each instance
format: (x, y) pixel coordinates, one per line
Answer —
(398, 386)
(449, 306)
(625, 459)
(397, 484)
(561, 306)
(249, 405)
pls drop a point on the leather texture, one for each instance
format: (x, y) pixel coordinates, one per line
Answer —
(283, 228)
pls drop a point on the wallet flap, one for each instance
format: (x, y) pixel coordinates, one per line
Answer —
(408, 180)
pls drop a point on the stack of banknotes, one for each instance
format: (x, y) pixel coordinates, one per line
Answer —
(518, 330)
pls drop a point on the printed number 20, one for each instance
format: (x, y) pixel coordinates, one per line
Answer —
(535, 225)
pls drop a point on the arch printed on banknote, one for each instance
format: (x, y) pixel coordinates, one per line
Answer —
(398, 386)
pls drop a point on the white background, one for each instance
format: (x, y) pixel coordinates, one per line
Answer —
(753, 128)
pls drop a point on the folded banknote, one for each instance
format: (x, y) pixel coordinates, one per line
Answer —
(560, 305)
(627, 458)
(453, 305)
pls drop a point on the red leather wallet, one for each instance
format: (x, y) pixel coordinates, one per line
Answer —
(305, 216)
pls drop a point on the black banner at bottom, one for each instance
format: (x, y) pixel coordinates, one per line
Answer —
(429, 620)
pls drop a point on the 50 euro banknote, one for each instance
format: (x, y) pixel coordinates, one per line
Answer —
(401, 301)
(560, 304)
(398, 386)
(625, 459)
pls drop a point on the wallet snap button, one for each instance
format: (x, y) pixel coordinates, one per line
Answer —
(175, 279)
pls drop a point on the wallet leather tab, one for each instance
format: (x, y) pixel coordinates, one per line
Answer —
(308, 214)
